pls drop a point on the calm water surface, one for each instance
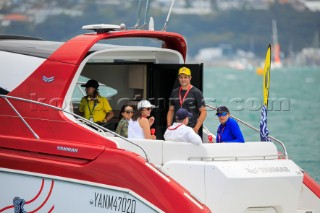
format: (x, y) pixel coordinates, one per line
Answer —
(294, 105)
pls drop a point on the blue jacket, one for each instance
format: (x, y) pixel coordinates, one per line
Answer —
(229, 132)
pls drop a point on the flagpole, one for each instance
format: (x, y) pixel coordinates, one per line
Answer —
(264, 132)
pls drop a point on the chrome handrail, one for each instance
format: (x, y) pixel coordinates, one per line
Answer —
(70, 113)
(24, 121)
(257, 130)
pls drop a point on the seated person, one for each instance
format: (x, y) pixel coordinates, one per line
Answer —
(228, 130)
(179, 131)
(94, 107)
(139, 125)
(126, 113)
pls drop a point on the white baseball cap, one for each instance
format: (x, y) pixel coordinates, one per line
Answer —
(144, 104)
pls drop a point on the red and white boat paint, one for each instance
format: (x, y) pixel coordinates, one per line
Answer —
(51, 161)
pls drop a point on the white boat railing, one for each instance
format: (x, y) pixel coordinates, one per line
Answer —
(103, 129)
(80, 118)
(257, 130)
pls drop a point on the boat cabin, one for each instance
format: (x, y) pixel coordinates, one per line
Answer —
(126, 74)
(132, 81)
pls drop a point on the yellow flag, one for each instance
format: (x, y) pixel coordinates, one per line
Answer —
(266, 76)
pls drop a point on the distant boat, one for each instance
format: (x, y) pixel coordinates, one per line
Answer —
(276, 60)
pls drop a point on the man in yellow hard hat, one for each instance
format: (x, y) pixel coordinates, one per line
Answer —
(188, 97)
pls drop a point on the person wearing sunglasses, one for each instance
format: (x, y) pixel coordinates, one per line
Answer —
(140, 123)
(228, 130)
(180, 132)
(126, 113)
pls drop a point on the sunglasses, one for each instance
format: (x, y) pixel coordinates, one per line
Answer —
(129, 112)
(222, 114)
(147, 109)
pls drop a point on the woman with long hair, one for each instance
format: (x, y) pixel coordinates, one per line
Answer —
(125, 115)
(140, 123)
(93, 106)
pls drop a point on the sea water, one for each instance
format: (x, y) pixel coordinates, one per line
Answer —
(293, 109)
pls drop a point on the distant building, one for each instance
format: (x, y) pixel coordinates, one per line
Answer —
(309, 57)
(5, 20)
(5, 3)
(223, 5)
(207, 54)
(210, 53)
(312, 5)
(200, 7)
(257, 4)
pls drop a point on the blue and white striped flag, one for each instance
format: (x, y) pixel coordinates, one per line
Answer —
(264, 132)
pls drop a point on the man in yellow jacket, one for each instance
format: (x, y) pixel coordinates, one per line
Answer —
(93, 106)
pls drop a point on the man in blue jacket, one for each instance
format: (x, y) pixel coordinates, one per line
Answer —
(228, 130)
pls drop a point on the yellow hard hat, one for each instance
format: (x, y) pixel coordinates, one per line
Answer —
(184, 70)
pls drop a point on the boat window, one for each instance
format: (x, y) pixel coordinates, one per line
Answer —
(104, 90)
(79, 92)
(119, 83)
(133, 42)
(3, 91)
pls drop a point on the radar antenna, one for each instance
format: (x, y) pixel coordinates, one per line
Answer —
(168, 17)
(136, 26)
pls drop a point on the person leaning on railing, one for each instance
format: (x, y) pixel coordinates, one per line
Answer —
(228, 130)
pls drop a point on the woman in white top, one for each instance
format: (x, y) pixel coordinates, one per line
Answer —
(139, 125)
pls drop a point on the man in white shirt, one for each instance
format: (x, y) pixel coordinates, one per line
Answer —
(179, 131)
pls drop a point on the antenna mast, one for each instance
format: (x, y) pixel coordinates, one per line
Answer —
(168, 17)
(139, 15)
(146, 13)
(276, 49)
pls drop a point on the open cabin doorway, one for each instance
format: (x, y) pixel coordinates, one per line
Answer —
(163, 78)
